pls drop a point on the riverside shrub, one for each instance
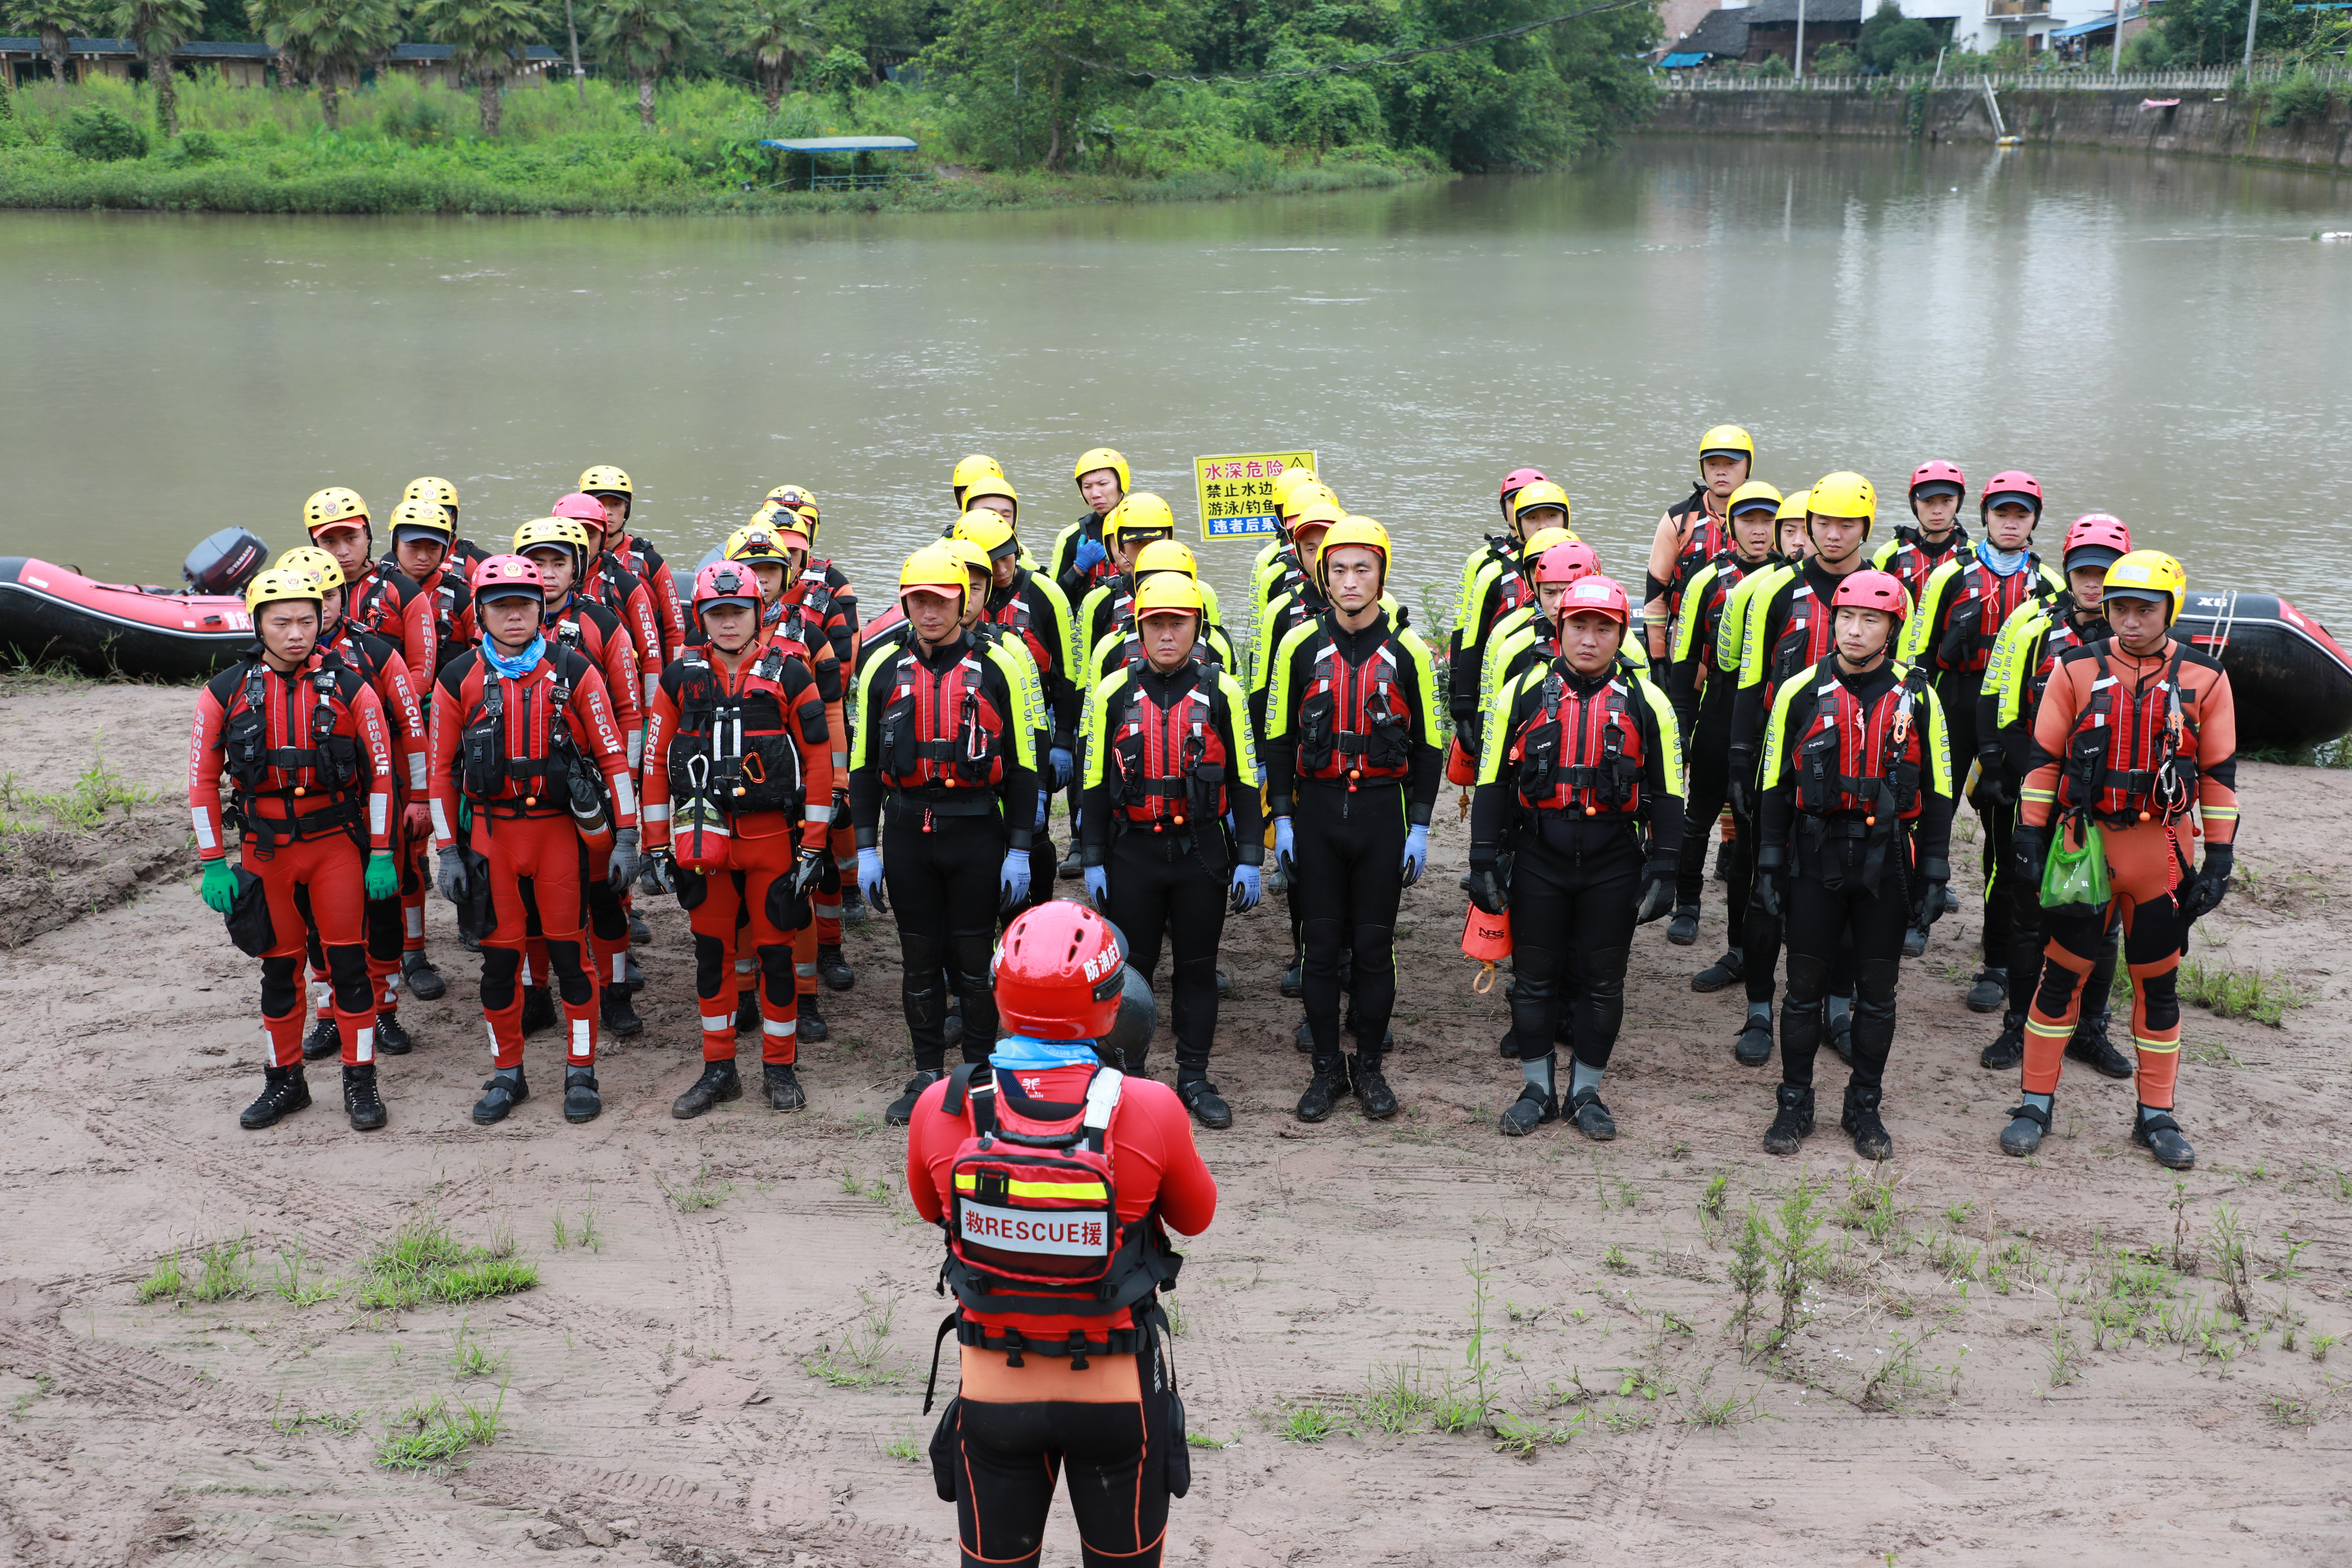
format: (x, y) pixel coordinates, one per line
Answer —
(102, 136)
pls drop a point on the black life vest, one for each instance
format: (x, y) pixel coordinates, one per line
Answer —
(545, 777)
(1170, 759)
(2131, 761)
(1806, 635)
(1854, 763)
(1351, 726)
(1985, 600)
(732, 753)
(1017, 618)
(940, 728)
(1580, 753)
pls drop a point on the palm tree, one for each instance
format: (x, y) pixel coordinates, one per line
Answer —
(486, 39)
(157, 29)
(778, 35)
(641, 37)
(324, 40)
(53, 22)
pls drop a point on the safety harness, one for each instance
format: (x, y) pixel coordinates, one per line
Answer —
(943, 738)
(2148, 735)
(732, 753)
(318, 760)
(1581, 755)
(1857, 771)
(493, 777)
(1352, 727)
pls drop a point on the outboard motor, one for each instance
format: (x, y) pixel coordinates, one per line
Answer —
(225, 562)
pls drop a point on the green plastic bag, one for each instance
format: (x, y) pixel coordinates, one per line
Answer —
(2074, 881)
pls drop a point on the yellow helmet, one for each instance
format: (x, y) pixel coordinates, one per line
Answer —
(1748, 496)
(972, 470)
(1168, 591)
(555, 533)
(440, 492)
(1542, 492)
(428, 515)
(334, 507)
(935, 569)
(1168, 555)
(799, 498)
(315, 563)
(1141, 512)
(1843, 494)
(1319, 513)
(972, 555)
(1095, 457)
(1536, 543)
(1362, 533)
(1727, 441)
(761, 539)
(989, 531)
(1793, 506)
(274, 585)
(606, 479)
(2149, 574)
(1289, 479)
(991, 485)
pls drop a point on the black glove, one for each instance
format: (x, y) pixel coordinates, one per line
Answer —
(1994, 787)
(1742, 788)
(840, 808)
(1655, 896)
(1487, 889)
(659, 872)
(1765, 896)
(1934, 875)
(2201, 894)
(807, 866)
(2028, 853)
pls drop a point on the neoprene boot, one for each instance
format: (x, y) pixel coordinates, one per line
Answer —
(501, 1093)
(632, 977)
(1533, 1109)
(1224, 985)
(1323, 1091)
(538, 1009)
(1990, 991)
(1202, 1098)
(719, 1084)
(1840, 1027)
(1593, 1118)
(2090, 1045)
(580, 1100)
(812, 1027)
(1071, 869)
(1753, 1049)
(1372, 1092)
(2008, 1049)
(638, 930)
(2027, 1124)
(833, 969)
(1682, 926)
(620, 1018)
(951, 1027)
(284, 1091)
(424, 981)
(1861, 1121)
(1915, 941)
(361, 1101)
(1792, 1123)
(901, 1110)
(324, 1039)
(2155, 1131)
(391, 1040)
(1720, 974)
(746, 1011)
(1302, 1036)
(784, 1086)
(853, 911)
(1294, 980)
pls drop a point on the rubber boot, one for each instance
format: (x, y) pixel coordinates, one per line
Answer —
(719, 1084)
(1304, 1038)
(284, 1091)
(424, 981)
(812, 1027)
(2023, 1136)
(1861, 1120)
(1682, 926)
(1593, 1118)
(632, 977)
(2155, 1131)
(640, 933)
(951, 1027)
(901, 1110)
(1323, 1090)
(1840, 1022)
(1990, 991)
(1753, 1048)
(391, 1040)
(1793, 1122)
(853, 911)
(2090, 1045)
(1372, 1092)
(1202, 1098)
(833, 969)
(2008, 1049)
(580, 1100)
(324, 1039)
(619, 1018)
(361, 1101)
(1915, 941)
(1071, 869)
(502, 1091)
(784, 1086)
(1722, 973)
(538, 1009)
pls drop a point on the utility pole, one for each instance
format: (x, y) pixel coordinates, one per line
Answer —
(2253, 13)
(1801, 39)
(579, 77)
(2115, 55)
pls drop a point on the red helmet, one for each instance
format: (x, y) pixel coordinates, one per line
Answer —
(2101, 537)
(1059, 973)
(579, 507)
(1565, 563)
(1873, 590)
(1936, 471)
(1516, 480)
(2011, 485)
(508, 577)
(1595, 595)
(725, 582)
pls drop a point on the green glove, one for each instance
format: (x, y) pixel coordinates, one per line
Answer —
(383, 876)
(219, 891)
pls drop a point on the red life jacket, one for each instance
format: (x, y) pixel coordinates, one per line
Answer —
(1806, 636)
(1580, 753)
(2132, 762)
(451, 597)
(1701, 545)
(515, 747)
(1352, 727)
(2062, 636)
(374, 603)
(610, 583)
(1170, 759)
(808, 603)
(940, 728)
(732, 753)
(1912, 562)
(1974, 621)
(1017, 618)
(1852, 763)
(305, 755)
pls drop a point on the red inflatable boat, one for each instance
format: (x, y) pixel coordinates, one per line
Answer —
(48, 612)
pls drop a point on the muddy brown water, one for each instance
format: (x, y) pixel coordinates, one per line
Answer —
(2162, 339)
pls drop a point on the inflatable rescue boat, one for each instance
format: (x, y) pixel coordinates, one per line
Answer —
(48, 612)
(2292, 683)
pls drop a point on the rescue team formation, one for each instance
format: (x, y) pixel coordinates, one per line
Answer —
(550, 727)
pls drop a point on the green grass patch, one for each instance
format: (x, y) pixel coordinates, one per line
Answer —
(166, 1283)
(424, 1261)
(429, 1434)
(2238, 990)
(84, 806)
(700, 1194)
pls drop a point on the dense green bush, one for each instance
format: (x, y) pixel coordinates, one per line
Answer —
(102, 135)
(2296, 100)
(2146, 50)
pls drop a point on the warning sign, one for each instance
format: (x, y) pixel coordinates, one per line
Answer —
(1236, 492)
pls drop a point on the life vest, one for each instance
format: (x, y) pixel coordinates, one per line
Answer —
(542, 774)
(373, 605)
(1581, 755)
(1033, 1217)
(1730, 571)
(1170, 758)
(1351, 727)
(731, 753)
(940, 728)
(609, 583)
(1984, 602)
(1852, 761)
(2061, 635)
(1912, 562)
(451, 598)
(1018, 618)
(295, 755)
(1701, 544)
(807, 602)
(2133, 762)
(1806, 636)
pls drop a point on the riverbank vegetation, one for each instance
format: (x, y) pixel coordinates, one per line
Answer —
(1012, 101)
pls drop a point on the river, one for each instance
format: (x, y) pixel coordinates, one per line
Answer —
(2160, 339)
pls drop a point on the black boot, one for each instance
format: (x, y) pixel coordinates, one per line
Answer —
(1202, 1098)
(1593, 1118)
(324, 1040)
(391, 1040)
(1372, 1092)
(2009, 1048)
(538, 1009)
(1682, 926)
(1071, 869)
(1716, 976)
(1532, 1109)
(901, 1110)
(1753, 1049)
(1304, 1038)
(2155, 1131)
(424, 981)
(1990, 991)
(284, 1091)
(1793, 1123)
(633, 978)
(1915, 941)
(783, 1085)
(1323, 1091)
(746, 1011)
(639, 931)
(853, 904)
(502, 1091)
(813, 1025)
(2027, 1124)
(580, 1100)
(1860, 1119)
(1841, 1031)
(951, 1027)
(1294, 980)
(719, 1084)
(2090, 1045)
(833, 969)
(620, 1018)
(361, 1101)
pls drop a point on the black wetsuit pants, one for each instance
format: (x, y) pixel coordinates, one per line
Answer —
(1175, 884)
(1347, 848)
(943, 893)
(1571, 912)
(1008, 1457)
(1820, 919)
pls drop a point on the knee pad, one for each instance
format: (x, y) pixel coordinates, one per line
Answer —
(500, 965)
(1874, 981)
(1807, 978)
(571, 979)
(1606, 967)
(975, 974)
(2159, 1000)
(920, 952)
(348, 965)
(2055, 994)
(282, 993)
(776, 969)
(1323, 941)
(1375, 949)
(712, 964)
(1534, 965)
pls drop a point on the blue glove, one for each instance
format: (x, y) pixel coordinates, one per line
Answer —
(1248, 886)
(219, 891)
(1012, 880)
(1090, 555)
(1097, 885)
(1044, 806)
(1416, 853)
(1282, 844)
(869, 880)
(1063, 764)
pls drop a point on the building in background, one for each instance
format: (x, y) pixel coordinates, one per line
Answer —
(237, 65)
